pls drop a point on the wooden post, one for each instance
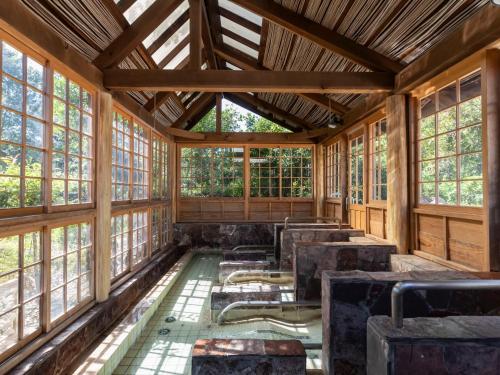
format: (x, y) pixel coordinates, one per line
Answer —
(319, 181)
(218, 113)
(103, 197)
(344, 178)
(195, 34)
(491, 142)
(397, 173)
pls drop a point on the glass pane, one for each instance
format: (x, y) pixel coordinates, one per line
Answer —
(85, 286)
(10, 189)
(12, 61)
(471, 166)
(58, 165)
(58, 192)
(470, 112)
(56, 272)
(56, 303)
(32, 281)
(471, 139)
(9, 254)
(57, 242)
(447, 120)
(33, 192)
(447, 169)
(447, 96)
(471, 193)
(428, 106)
(470, 86)
(428, 171)
(59, 112)
(74, 94)
(34, 133)
(35, 74)
(10, 291)
(10, 160)
(72, 265)
(59, 85)
(72, 291)
(12, 94)
(32, 248)
(11, 127)
(8, 334)
(32, 316)
(34, 103)
(447, 144)
(34, 163)
(427, 149)
(447, 193)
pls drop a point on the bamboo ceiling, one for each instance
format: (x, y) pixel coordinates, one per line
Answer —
(399, 29)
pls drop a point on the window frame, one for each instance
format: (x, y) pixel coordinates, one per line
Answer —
(355, 136)
(333, 170)
(375, 134)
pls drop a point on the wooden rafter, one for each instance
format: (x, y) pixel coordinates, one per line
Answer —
(240, 38)
(195, 31)
(275, 111)
(123, 5)
(169, 32)
(246, 62)
(208, 39)
(321, 35)
(240, 20)
(131, 37)
(248, 81)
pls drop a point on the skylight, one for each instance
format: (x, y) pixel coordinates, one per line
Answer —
(135, 11)
(171, 43)
(179, 58)
(166, 24)
(239, 46)
(242, 12)
(240, 30)
(232, 67)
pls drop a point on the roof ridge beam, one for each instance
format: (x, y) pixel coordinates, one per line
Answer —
(321, 35)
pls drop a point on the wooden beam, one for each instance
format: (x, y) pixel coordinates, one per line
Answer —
(398, 202)
(245, 62)
(103, 197)
(240, 20)
(309, 134)
(197, 117)
(218, 113)
(490, 75)
(195, 30)
(193, 110)
(247, 81)
(474, 34)
(208, 41)
(133, 36)
(249, 138)
(241, 39)
(185, 134)
(260, 111)
(123, 5)
(275, 111)
(370, 104)
(174, 52)
(321, 35)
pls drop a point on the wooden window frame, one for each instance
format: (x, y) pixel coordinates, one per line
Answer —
(457, 155)
(333, 164)
(355, 137)
(375, 155)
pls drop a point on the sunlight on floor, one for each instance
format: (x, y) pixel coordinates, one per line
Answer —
(165, 348)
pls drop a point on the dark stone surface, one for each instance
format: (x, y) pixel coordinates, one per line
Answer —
(350, 298)
(61, 354)
(310, 259)
(278, 228)
(290, 236)
(252, 357)
(224, 295)
(453, 345)
(248, 255)
(206, 236)
(228, 267)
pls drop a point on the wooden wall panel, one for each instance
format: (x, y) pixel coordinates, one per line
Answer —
(333, 209)
(431, 235)
(357, 217)
(377, 223)
(465, 242)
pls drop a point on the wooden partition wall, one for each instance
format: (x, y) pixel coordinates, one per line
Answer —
(257, 190)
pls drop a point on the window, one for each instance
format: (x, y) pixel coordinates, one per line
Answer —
(22, 129)
(160, 169)
(356, 161)
(449, 144)
(141, 162)
(120, 249)
(281, 172)
(130, 159)
(165, 227)
(333, 172)
(71, 268)
(72, 142)
(155, 229)
(140, 236)
(212, 172)
(378, 160)
(20, 287)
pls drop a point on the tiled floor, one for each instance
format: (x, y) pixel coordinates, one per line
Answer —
(165, 348)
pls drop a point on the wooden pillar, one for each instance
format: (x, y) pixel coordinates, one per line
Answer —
(218, 113)
(491, 142)
(103, 197)
(398, 213)
(319, 181)
(344, 177)
(195, 34)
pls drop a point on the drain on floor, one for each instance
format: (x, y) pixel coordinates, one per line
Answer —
(163, 331)
(170, 319)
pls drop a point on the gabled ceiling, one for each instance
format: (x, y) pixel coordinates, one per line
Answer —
(293, 35)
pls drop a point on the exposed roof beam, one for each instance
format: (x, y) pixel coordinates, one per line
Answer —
(184, 134)
(275, 111)
(247, 81)
(193, 110)
(208, 41)
(131, 37)
(195, 30)
(175, 51)
(240, 20)
(123, 5)
(260, 111)
(321, 35)
(246, 62)
(200, 114)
